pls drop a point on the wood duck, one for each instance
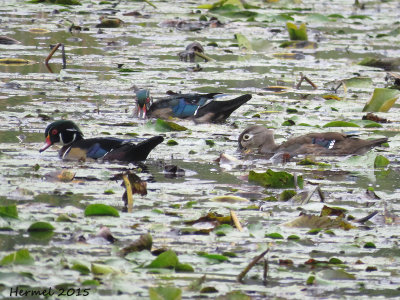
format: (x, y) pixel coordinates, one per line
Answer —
(325, 143)
(75, 147)
(200, 107)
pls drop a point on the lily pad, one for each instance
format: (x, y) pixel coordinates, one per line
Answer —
(101, 210)
(381, 161)
(40, 226)
(20, 257)
(340, 124)
(165, 293)
(243, 42)
(164, 126)
(382, 100)
(9, 211)
(279, 180)
(169, 260)
(102, 269)
(319, 222)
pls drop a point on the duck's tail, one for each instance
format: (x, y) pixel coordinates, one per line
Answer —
(131, 152)
(219, 111)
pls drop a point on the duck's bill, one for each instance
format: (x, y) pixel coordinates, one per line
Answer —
(47, 145)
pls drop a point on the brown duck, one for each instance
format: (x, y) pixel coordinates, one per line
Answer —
(326, 143)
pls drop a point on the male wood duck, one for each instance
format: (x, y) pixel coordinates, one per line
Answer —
(200, 107)
(75, 147)
(325, 143)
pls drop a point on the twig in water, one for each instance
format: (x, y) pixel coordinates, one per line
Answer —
(250, 265)
(203, 56)
(51, 53)
(303, 77)
(63, 56)
(365, 219)
(320, 194)
(128, 193)
(340, 84)
(265, 275)
(236, 221)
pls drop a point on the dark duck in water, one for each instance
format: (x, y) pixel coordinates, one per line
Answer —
(202, 108)
(75, 147)
(262, 140)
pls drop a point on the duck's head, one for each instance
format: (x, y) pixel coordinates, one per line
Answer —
(257, 138)
(143, 102)
(62, 131)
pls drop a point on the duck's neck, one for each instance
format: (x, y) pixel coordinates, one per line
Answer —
(269, 145)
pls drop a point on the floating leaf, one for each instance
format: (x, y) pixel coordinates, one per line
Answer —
(286, 195)
(101, 210)
(225, 4)
(165, 293)
(145, 242)
(243, 42)
(14, 61)
(109, 23)
(333, 211)
(357, 82)
(298, 45)
(167, 259)
(217, 257)
(338, 274)
(273, 179)
(41, 226)
(212, 218)
(102, 269)
(274, 235)
(164, 126)
(172, 143)
(81, 268)
(20, 257)
(229, 199)
(388, 64)
(297, 33)
(318, 222)
(340, 124)
(9, 211)
(382, 100)
(380, 161)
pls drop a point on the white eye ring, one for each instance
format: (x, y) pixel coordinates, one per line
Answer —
(247, 137)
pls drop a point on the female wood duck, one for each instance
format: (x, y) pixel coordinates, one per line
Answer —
(75, 147)
(200, 107)
(326, 143)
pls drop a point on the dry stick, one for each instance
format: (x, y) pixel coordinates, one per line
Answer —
(310, 82)
(265, 275)
(320, 194)
(365, 219)
(250, 265)
(128, 193)
(301, 80)
(236, 221)
(52, 52)
(64, 60)
(340, 84)
(303, 77)
(203, 56)
(305, 201)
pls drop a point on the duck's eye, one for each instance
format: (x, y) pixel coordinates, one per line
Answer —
(54, 132)
(246, 137)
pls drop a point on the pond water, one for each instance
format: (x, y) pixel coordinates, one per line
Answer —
(97, 93)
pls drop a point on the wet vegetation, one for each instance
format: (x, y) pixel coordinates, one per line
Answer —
(198, 218)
